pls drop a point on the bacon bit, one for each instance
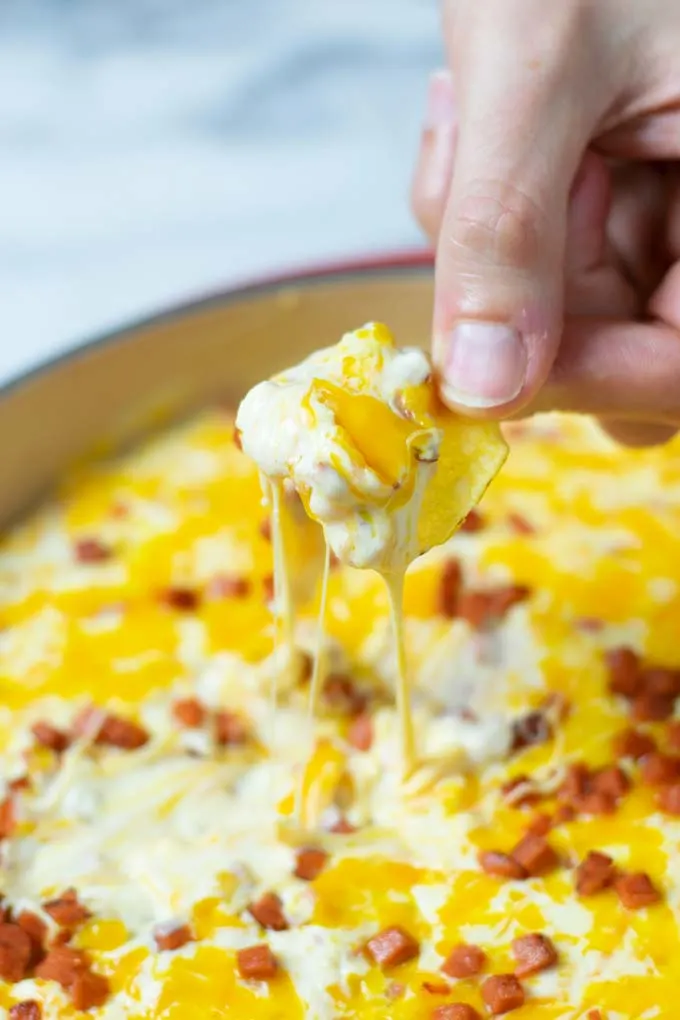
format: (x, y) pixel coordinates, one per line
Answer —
(502, 993)
(673, 735)
(8, 818)
(668, 799)
(533, 954)
(563, 814)
(596, 872)
(341, 694)
(257, 963)
(529, 730)
(652, 707)
(473, 522)
(309, 863)
(265, 529)
(113, 730)
(540, 825)
(595, 803)
(230, 729)
(456, 1011)
(186, 600)
(173, 938)
(520, 525)
(659, 769)
(576, 783)
(268, 587)
(395, 991)
(611, 782)
(595, 1014)
(360, 733)
(62, 937)
(63, 965)
(520, 791)
(189, 712)
(664, 682)
(66, 909)
(268, 912)
(49, 736)
(475, 607)
(342, 827)
(391, 947)
(624, 671)
(29, 1009)
(16, 950)
(506, 598)
(633, 744)
(464, 961)
(88, 990)
(36, 929)
(20, 783)
(91, 550)
(494, 862)
(535, 855)
(436, 987)
(636, 890)
(449, 589)
(228, 586)
(236, 436)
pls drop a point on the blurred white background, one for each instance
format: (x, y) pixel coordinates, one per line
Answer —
(151, 150)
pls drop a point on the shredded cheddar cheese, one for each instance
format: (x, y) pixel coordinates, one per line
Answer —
(533, 857)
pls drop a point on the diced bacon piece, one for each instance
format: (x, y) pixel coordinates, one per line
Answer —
(520, 525)
(669, 799)
(449, 589)
(342, 827)
(563, 813)
(623, 665)
(184, 600)
(88, 990)
(652, 707)
(595, 803)
(464, 960)
(360, 733)
(611, 782)
(535, 855)
(533, 953)
(19, 783)
(456, 1011)
(309, 863)
(475, 607)
(66, 909)
(506, 598)
(49, 736)
(230, 729)
(341, 694)
(8, 817)
(170, 937)
(576, 783)
(673, 735)
(473, 522)
(436, 987)
(63, 965)
(502, 993)
(268, 912)
(268, 587)
(189, 712)
(495, 862)
(391, 947)
(596, 872)
(636, 890)
(29, 1009)
(594, 1014)
(265, 529)
(228, 586)
(663, 682)
(92, 550)
(540, 825)
(257, 963)
(110, 730)
(16, 949)
(36, 929)
(659, 769)
(528, 730)
(632, 743)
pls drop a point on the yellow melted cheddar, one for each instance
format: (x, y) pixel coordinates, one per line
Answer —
(188, 830)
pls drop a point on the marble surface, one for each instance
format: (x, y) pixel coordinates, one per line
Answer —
(155, 149)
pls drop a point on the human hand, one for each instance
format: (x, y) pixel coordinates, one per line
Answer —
(557, 284)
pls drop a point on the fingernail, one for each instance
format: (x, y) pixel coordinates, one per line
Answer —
(440, 109)
(483, 365)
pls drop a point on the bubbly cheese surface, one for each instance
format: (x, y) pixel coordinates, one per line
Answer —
(147, 584)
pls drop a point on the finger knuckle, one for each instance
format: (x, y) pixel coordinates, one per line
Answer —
(498, 224)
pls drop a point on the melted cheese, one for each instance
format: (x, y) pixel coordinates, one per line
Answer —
(179, 830)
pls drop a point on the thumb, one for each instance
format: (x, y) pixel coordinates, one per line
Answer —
(500, 260)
